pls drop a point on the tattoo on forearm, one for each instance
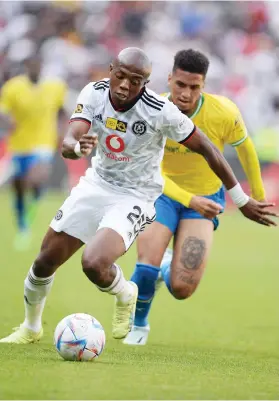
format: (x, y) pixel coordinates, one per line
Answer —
(192, 253)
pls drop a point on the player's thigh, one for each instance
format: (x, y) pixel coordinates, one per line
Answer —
(20, 165)
(81, 213)
(39, 170)
(123, 218)
(56, 249)
(193, 241)
(119, 227)
(152, 243)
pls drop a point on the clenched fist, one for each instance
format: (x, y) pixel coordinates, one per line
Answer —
(88, 143)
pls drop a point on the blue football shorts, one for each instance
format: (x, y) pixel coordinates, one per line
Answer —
(23, 163)
(169, 212)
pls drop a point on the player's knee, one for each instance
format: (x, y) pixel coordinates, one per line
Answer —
(181, 290)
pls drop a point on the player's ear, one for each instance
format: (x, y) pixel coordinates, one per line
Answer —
(169, 78)
(110, 67)
(203, 83)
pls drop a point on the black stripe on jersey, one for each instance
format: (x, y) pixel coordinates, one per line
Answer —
(188, 137)
(152, 101)
(101, 87)
(152, 98)
(101, 82)
(80, 119)
(151, 104)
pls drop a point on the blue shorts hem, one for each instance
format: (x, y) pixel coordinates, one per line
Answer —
(169, 212)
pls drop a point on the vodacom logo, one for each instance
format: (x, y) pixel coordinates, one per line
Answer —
(115, 143)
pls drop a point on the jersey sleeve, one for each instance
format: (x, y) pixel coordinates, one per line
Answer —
(236, 131)
(61, 94)
(6, 99)
(86, 103)
(174, 124)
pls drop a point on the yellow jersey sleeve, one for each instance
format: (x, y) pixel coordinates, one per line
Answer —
(250, 163)
(235, 132)
(60, 90)
(6, 98)
(175, 192)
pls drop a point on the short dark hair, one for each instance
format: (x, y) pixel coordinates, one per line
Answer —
(191, 61)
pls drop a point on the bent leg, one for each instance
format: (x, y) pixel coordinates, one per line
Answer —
(56, 249)
(151, 246)
(193, 242)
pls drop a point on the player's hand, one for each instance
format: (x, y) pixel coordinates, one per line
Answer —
(257, 211)
(206, 207)
(88, 143)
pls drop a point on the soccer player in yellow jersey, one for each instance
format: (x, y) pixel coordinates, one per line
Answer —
(29, 108)
(198, 193)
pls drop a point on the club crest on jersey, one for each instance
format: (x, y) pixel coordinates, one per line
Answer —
(114, 124)
(59, 215)
(139, 128)
(79, 108)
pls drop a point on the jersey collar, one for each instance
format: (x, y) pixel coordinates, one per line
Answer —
(200, 103)
(128, 106)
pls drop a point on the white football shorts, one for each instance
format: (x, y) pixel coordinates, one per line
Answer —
(94, 204)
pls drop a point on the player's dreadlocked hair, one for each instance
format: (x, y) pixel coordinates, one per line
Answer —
(191, 61)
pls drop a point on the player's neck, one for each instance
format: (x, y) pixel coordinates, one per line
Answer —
(34, 79)
(194, 111)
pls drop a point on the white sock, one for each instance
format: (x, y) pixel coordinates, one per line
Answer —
(120, 287)
(36, 290)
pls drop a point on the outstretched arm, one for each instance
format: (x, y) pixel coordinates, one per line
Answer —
(248, 158)
(199, 143)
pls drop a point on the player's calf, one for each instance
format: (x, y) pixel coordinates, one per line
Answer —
(98, 265)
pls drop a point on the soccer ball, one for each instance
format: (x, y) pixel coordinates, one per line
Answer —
(79, 337)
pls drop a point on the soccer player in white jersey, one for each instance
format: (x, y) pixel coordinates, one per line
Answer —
(115, 198)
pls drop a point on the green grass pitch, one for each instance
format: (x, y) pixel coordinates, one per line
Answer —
(220, 344)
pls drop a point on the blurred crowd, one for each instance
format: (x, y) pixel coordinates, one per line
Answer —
(78, 39)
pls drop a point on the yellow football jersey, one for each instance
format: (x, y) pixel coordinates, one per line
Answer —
(34, 108)
(220, 119)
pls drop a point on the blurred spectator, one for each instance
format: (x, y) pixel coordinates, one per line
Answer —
(77, 39)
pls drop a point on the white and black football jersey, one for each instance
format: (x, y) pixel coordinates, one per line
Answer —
(131, 141)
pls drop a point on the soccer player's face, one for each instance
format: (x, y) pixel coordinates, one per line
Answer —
(185, 88)
(126, 82)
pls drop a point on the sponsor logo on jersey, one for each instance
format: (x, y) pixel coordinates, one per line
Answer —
(113, 156)
(114, 124)
(139, 128)
(79, 108)
(115, 143)
(182, 150)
